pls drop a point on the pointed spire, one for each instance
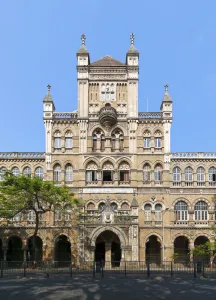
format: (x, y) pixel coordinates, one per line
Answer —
(48, 97)
(166, 94)
(83, 48)
(132, 49)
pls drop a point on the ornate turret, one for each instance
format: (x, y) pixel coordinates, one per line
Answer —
(83, 58)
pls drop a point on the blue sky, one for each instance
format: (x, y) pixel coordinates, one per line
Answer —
(177, 45)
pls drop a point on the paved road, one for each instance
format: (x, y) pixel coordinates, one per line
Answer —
(85, 288)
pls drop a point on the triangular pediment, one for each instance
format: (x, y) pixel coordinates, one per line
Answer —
(107, 61)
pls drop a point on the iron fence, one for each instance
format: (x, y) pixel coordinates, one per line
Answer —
(102, 268)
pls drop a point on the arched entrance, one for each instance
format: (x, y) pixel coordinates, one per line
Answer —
(62, 252)
(15, 249)
(108, 248)
(153, 250)
(35, 252)
(201, 241)
(181, 249)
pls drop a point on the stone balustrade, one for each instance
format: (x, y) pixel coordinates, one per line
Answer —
(22, 155)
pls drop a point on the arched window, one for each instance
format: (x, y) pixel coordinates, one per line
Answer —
(147, 139)
(125, 206)
(91, 206)
(57, 139)
(27, 172)
(188, 175)
(101, 206)
(157, 139)
(91, 172)
(39, 172)
(57, 173)
(158, 212)
(200, 176)
(201, 211)
(181, 211)
(147, 173)
(117, 140)
(102, 142)
(68, 173)
(58, 213)
(124, 172)
(107, 172)
(114, 206)
(67, 213)
(68, 140)
(2, 172)
(177, 174)
(212, 176)
(158, 173)
(98, 140)
(15, 171)
(147, 212)
(94, 142)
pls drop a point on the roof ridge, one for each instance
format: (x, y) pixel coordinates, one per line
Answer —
(107, 61)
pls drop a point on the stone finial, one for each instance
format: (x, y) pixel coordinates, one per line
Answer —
(48, 87)
(83, 38)
(132, 38)
(166, 88)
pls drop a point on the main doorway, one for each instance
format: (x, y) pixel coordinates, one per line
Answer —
(108, 248)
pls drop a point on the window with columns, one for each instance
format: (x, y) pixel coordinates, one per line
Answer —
(107, 92)
(91, 172)
(158, 173)
(212, 176)
(68, 140)
(39, 172)
(147, 139)
(107, 172)
(176, 174)
(124, 172)
(188, 175)
(2, 172)
(27, 171)
(57, 173)
(158, 212)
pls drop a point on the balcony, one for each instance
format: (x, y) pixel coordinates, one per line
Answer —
(126, 182)
(92, 183)
(176, 183)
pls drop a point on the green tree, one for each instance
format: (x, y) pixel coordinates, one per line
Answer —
(21, 194)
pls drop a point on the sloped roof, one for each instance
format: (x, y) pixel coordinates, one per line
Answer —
(107, 61)
(134, 202)
(82, 49)
(133, 50)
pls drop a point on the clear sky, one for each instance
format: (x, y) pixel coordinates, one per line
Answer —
(177, 44)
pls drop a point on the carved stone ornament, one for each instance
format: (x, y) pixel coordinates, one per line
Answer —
(108, 116)
(108, 213)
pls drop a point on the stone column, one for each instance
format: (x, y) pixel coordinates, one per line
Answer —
(108, 255)
(4, 248)
(92, 255)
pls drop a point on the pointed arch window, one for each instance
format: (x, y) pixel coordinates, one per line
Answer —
(68, 173)
(181, 211)
(177, 174)
(27, 172)
(57, 173)
(107, 173)
(39, 172)
(57, 139)
(147, 173)
(15, 171)
(158, 173)
(117, 140)
(124, 172)
(2, 172)
(91, 172)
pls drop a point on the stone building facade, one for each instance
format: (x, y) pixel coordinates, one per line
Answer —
(142, 202)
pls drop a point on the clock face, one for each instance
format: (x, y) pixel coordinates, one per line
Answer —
(107, 92)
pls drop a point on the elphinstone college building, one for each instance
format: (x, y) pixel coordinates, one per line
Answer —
(141, 201)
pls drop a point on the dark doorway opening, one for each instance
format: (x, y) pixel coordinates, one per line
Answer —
(62, 250)
(35, 249)
(15, 251)
(153, 250)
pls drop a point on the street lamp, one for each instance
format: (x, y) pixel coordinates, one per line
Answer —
(163, 245)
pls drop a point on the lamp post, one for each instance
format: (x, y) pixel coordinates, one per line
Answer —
(163, 244)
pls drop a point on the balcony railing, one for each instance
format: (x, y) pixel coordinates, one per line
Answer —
(150, 115)
(193, 155)
(64, 115)
(22, 155)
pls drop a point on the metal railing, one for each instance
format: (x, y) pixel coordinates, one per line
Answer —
(102, 268)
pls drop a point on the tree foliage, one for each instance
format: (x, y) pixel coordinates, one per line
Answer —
(21, 194)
